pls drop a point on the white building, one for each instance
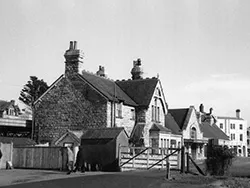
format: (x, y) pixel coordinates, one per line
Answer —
(236, 129)
(248, 141)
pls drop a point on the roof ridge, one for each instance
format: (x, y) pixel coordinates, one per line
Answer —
(94, 74)
(137, 80)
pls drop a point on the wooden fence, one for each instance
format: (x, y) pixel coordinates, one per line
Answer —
(132, 158)
(6, 149)
(54, 158)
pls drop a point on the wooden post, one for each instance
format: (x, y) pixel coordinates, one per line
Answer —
(187, 158)
(168, 170)
(147, 158)
(119, 154)
(182, 159)
(133, 150)
(162, 156)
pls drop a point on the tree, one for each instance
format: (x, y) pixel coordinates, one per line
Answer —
(32, 91)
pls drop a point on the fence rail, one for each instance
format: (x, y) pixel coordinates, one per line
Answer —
(148, 157)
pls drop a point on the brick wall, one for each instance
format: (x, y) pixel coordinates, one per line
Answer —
(70, 104)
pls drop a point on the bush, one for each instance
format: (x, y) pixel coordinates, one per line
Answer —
(219, 159)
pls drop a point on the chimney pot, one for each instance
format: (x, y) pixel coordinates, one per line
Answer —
(71, 45)
(210, 111)
(75, 45)
(201, 108)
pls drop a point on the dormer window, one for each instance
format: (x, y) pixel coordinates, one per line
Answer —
(11, 112)
(193, 133)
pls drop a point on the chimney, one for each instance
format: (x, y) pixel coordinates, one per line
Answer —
(12, 102)
(201, 108)
(74, 59)
(137, 70)
(238, 113)
(210, 111)
(101, 71)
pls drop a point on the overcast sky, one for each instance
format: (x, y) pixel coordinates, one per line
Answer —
(200, 49)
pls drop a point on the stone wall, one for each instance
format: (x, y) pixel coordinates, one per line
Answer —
(70, 104)
(126, 120)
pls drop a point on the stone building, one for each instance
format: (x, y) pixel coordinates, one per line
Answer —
(79, 100)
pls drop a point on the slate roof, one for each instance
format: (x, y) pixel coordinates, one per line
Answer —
(141, 90)
(171, 124)
(158, 127)
(76, 135)
(4, 105)
(108, 88)
(102, 133)
(18, 141)
(212, 131)
(179, 116)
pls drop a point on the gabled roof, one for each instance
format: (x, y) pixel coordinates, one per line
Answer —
(102, 133)
(108, 88)
(179, 115)
(17, 141)
(171, 124)
(4, 105)
(158, 127)
(212, 131)
(141, 90)
(76, 135)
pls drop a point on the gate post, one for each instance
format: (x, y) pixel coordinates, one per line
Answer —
(182, 159)
(168, 170)
(133, 150)
(187, 154)
(147, 158)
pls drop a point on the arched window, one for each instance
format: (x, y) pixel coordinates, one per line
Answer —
(193, 133)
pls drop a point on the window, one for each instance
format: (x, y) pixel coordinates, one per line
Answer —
(153, 113)
(248, 142)
(161, 142)
(68, 144)
(247, 133)
(241, 126)
(241, 137)
(232, 125)
(164, 144)
(158, 114)
(221, 125)
(133, 114)
(193, 133)
(232, 136)
(119, 110)
(167, 143)
(173, 143)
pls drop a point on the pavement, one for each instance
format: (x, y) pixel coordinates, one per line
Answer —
(17, 178)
